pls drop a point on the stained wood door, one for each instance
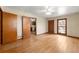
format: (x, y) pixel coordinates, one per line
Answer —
(26, 27)
(51, 26)
(0, 26)
(9, 27)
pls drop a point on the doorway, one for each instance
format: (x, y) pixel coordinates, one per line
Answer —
(62, 26)
(33, 25)
(28, 26)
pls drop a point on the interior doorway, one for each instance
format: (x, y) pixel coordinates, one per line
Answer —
(62, 26)
(33, 25)
(28, 27)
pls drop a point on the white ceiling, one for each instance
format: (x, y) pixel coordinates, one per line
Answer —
(41, 10)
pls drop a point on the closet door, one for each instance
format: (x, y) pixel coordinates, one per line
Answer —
(9, 27)
(26, 27)
(51, 26)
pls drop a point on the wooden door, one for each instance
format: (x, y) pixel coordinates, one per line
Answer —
(9, 27)
(0, 26)
(26, 27)
(51, 26)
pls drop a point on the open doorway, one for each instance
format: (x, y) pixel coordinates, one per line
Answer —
(33, 25)
(62, 26)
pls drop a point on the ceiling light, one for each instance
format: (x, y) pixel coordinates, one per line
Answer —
(48, 13)
(51, 10)
(48, 10)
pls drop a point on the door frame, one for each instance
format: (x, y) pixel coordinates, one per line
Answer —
(22, 28)
(65, 26)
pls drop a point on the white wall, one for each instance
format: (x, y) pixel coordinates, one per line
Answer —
(41, 22)
(72, 24)
(19, 27)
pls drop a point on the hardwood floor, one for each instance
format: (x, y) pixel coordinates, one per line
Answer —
(45, 43)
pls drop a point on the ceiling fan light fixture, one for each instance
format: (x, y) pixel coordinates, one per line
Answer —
(48, 13)
(51, 10)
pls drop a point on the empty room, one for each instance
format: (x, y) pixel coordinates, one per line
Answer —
(39, 29)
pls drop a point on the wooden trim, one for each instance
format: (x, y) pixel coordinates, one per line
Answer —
(65, 26)
(43, 33)
(67, 36)
(36, 25)
(22, 28)
(1, 26)
(73, 36)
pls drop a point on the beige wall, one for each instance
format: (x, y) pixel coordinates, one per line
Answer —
(72, 24)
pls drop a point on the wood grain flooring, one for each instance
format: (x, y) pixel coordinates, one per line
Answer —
(45, 43)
